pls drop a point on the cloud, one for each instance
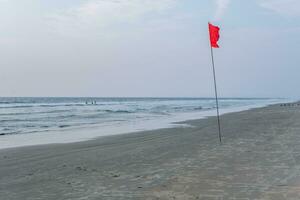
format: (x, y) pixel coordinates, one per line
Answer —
(102, 14)
(283, 7)
(222, 6)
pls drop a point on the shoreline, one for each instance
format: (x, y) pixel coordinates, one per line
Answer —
(259, 159)
(92, 133)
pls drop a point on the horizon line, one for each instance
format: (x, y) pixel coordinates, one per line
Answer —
(153, 97)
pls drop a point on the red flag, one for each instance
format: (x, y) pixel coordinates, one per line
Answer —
(214, 35)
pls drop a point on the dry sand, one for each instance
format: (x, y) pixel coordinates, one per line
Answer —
(259, 159)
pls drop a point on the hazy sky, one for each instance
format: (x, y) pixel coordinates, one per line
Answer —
(148, 48)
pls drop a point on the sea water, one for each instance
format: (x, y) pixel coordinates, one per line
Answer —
(31, 121)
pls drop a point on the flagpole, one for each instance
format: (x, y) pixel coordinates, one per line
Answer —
(216, 92)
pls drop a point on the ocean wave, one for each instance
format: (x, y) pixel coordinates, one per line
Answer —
(61, 105)
(34, 113)
(37, 119)
(17, 106)
(198, 108)
(118, 111)
(12, 102)
(160, 113)
(64, 126)
(43, 105)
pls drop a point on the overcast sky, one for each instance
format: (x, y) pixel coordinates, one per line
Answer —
(148, 48)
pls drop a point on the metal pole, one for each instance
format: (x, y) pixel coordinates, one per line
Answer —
(216, 92)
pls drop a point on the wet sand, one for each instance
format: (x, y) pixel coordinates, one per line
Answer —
(259, 159)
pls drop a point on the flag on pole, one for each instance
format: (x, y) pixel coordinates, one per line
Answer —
(214, 35)
(214, 38)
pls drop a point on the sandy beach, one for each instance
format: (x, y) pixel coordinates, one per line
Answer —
(259, 159)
